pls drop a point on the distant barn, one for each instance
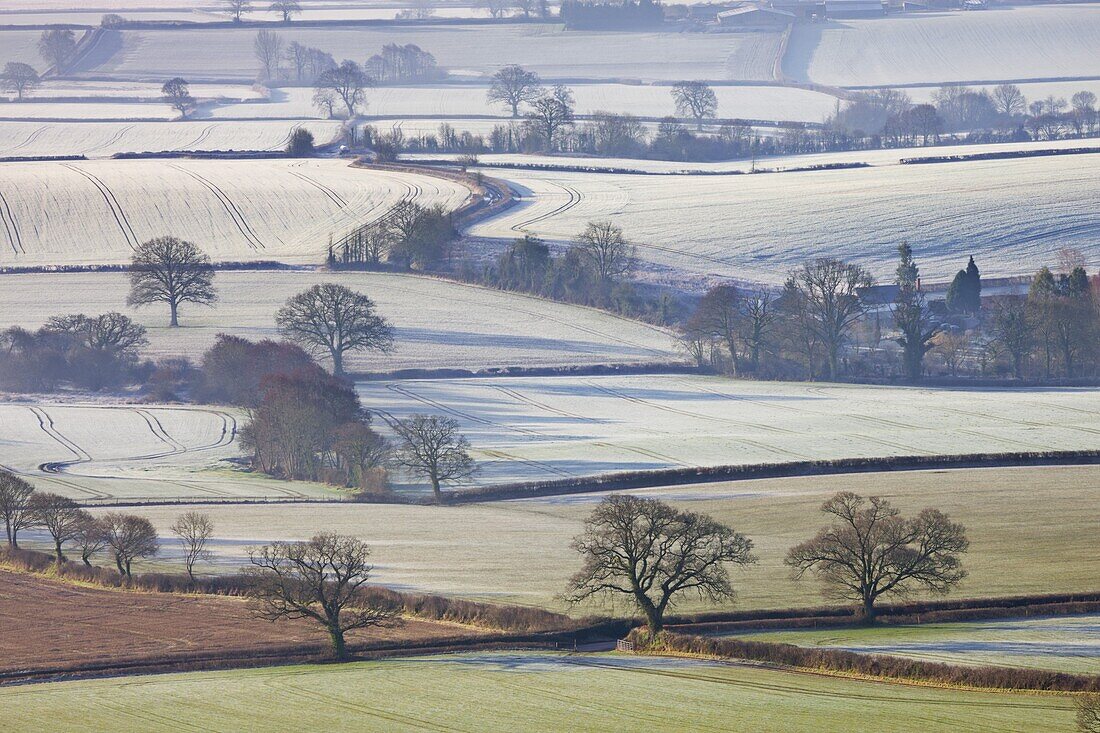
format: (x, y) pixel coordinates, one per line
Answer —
(754, 17)
(854, 8)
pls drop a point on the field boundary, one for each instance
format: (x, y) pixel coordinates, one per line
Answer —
(688, 476)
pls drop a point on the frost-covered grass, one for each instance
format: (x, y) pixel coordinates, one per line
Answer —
(1062, 643)
(508, 691)
(439, 324)
(1010, 214)
(20, 46)
(465, 51)
(102, 453)
(286, 210)
(1040, 42)
(539, 428)
(103, 139)
(79, 111)
(1032, 530)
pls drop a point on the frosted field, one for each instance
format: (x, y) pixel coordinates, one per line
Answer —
(282, 210)
(32, 110)
(1061, 643)
(754, 102)
(104, 139)
(518, 551)
(465, 51)
(1010, 214)
(105, 453)
(106, 91)
(1041, 42)
(20, 46)
(439, 324)
(544, 428)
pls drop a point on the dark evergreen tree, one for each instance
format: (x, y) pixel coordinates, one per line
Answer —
(911, 315)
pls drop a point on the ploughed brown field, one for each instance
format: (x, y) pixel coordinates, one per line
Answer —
(50, 627)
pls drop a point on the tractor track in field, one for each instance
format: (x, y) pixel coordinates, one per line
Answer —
(326, 700)
(112, 203)
(574, 199)
(31, 138)
(198, 140)
(112, 140)
(11, 228)
(334, 197)
(251, 239)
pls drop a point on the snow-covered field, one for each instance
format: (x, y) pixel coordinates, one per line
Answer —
(20, 46)
(439, 324)
(465, 51)
(104, 139)
(1038, 42)
(286, 210)
(46, 110)
(102, 453)
(1012, 215)
(561, 427)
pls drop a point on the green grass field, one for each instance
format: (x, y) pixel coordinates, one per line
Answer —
(519, 692)
(1032, 530)
(1064, 644)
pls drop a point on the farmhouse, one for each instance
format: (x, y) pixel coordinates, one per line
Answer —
(853, 8)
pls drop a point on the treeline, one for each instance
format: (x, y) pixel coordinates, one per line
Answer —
(583, 15)
(829, 321)
(410, 236)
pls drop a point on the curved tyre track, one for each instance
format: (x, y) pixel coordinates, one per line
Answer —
(251, 239)
(11, 228)
(112, 204)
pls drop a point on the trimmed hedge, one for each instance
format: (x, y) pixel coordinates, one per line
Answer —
(871, 665)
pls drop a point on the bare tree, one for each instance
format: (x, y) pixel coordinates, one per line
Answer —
(695, 99)
(90, 537)
(1012, 329)
(335, 319)
(321, 580)
(513, 85)
(287, 8)
(268, 48)
(606, 249)
(194, 530)
(719, 315)
(173, 271)
(951, 347)
(1088, 712)
(60, 516)
(19, 78)
(298, 55)
(347, 81)
(912, 317)
(551, 112)
(651, 552)
(15, 506)
(177, 93)
(432, 446)
(759, 320)
(326, 101)
(1009, 100)
(57, 47)
(106, 332)
(129, 537)
(872, 551)
(496, 8)
(237, 8)
(829, 289)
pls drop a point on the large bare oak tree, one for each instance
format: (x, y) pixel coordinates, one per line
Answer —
(513, 85)
(321, 580)
(872, 551)
(432, 446)
(652, 552)
(15, 506)
(330, 318)
(173, 271)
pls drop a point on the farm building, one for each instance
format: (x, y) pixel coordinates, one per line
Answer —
(853, 8)
(755, 17)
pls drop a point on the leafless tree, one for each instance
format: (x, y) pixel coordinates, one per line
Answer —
(872, 551)
(91, 537)
(760, 318)
(194, 530)
(496, 8)
(15, 506)
(1009, 100)
(326, 101)
(19, 78)
(334, 319)
(951, 347)
(60, 516)
(1088, 712)
(606, 249)
(57, 47)
(1012, 329)
(513, 85)
(719, 314)
(551, 112)
(360, 450)
(321, 580)
(432, 446)
(695, 99)
(106, 332)
(129, 537)
(347, 81)
(651, 552)
(525, 6)
(287, 8)
(173, 271)
(298, 56)
(237, 8)
(177, 94)
(268, 48)
(829, 289)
